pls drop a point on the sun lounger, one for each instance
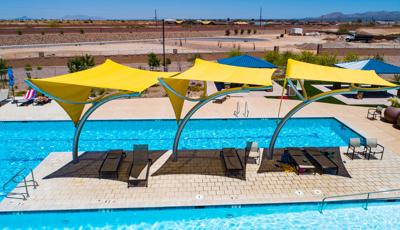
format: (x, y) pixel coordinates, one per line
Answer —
(232, 162)
(322, 162)
(109, 167)
(300, 161)
(140, 167)
(28, 99)
(3, 95)
(374, 112)
(372, 147)
(253, 150)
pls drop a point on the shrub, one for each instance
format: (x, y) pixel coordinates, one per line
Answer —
(28, 67)
(167, 62)
(349, 57)
(254, 31)
(80, 63)
(227, 32)
(3, 66)
(248, 31)
(234, 53)
(19, 32)
(378, 57)
(236, 31)
(395, 102)
(326, 60)
(193, 58)
(42, 33)
(54, 24)
(307, 56)
(153, 61)
(271, 56)
(242, 31)
(82, 31)
(39, 67)
(61, 32)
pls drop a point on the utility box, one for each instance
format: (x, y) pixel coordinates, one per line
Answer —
(296, 31)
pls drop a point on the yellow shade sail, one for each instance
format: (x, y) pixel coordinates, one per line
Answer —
(72, 90)
(306, 71)
(214, 72)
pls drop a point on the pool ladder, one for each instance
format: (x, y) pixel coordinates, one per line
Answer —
(324, 201)
(23, 185)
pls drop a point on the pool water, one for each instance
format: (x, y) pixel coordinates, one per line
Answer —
(380, 215)
(25, 144)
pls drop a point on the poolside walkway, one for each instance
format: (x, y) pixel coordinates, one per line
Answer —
(172, 188)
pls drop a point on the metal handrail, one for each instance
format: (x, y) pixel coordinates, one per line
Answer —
(368, 194)
(22, 195)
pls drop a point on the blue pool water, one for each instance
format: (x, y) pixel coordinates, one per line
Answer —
(380, 215)
(25, 144)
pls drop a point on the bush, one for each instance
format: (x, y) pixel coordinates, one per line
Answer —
(378, 57)
(3, 66)
(61, 32)
(307, 56)
(271, 56)
(326, 59)
(82, 31)
(42, 33)
(227, 32)
(242, 31)
(168, 62)
(236, 31)
(153, 61)
(39, 67)
(54, 24)
(254, 31)
(234, 53)
(349, 57)
(19, 32)
(28, 67)
(248, 31)
(80, 63)
(395, 102)
(193, 58)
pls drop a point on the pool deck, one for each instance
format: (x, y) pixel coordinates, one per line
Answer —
(172, 188)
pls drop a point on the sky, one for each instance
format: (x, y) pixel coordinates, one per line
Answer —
(142, 9)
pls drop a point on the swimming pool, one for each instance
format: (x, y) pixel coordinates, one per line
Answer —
(380, 215)
(25, 144)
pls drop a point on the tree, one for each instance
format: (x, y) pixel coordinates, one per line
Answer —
(153, 61)
(234, 53)
(80, 63)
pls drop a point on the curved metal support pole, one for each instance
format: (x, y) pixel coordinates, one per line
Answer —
(351, 90)
(200, 104)
(163, 83)
(85, 116)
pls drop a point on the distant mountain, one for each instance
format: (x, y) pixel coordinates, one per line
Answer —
(23, 18)
(373, 15)
(81, 17)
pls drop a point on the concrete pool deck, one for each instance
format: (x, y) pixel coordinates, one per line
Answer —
(195, 189)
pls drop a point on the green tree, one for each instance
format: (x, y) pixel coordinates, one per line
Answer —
(234, 53)
(153, 61)
(351, 57)
(80, 63)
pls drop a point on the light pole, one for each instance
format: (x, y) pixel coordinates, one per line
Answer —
(163, 43)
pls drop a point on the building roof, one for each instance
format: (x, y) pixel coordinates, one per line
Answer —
(246, 61)
(371, 64)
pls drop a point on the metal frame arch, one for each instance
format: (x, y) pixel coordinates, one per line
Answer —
(351, 90)
(200, 104)
(85, 117)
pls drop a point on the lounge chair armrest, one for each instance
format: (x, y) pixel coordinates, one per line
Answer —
(383, 148)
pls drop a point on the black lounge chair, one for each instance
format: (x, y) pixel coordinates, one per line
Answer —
(299, 160)
(140, 167)
(233, 164)
(110, 165)
(322, 162)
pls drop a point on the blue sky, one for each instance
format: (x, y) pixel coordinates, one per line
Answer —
(142, 9)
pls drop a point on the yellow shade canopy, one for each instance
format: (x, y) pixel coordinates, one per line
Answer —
(211, 71)
(72, 90)
(301, 70)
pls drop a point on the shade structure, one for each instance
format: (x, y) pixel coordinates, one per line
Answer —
(246, 61)
(371, 64)
(301, 70)
(72, 90)
(211, 71)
